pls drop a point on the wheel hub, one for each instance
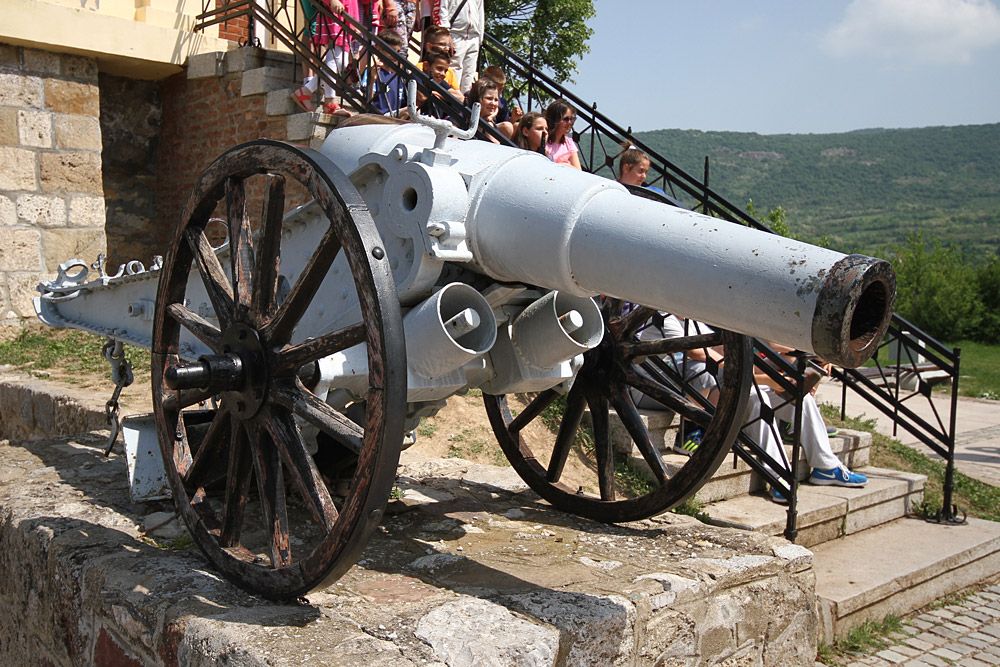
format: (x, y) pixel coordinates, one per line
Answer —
(239, 373)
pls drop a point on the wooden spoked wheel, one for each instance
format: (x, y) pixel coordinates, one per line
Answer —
(242, 473)
(540, 432)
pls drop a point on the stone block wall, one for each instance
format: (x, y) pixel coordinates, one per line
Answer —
(51, 191)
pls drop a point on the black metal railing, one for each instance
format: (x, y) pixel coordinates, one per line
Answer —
(355, 77)
(906, 365)
(601, 142)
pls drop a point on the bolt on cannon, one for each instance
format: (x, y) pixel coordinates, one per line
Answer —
(359, 286)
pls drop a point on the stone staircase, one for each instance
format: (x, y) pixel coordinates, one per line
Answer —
(872, 556)
(271, 74)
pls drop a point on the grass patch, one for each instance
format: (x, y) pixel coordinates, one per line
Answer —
(867, 638)
(976, 498)
(470, 444)
(426, 428)
(66, 353)
(692, 507)
(979, 369)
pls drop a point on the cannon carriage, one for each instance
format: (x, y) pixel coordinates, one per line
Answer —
(357, 287)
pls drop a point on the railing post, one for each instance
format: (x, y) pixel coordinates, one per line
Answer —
(531, 74)
(948, 510)
(791, 521)
(704, 192)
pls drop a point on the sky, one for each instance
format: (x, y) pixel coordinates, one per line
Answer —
(793, 66)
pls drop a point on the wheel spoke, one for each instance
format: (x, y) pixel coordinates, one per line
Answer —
(208, 451)
(663, 346)
(668, 397)
(202, 329)
(602, 446)
(625, 325)
(293, 357)
(271, 488)
(305, 404)
(240, 245)
(220, 292)
(238, 471)
(279, 330)
(568, 428)
(535, 408)
(268, 262)
(301, 467)
(627, 412)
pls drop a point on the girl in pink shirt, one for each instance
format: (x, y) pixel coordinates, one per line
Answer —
(561, 148)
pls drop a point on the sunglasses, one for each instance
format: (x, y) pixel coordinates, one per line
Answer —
(568, 119)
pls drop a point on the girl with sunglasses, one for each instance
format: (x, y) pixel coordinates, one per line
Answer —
(561, 148)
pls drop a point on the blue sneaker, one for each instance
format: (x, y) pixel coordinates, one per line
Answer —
(837, 477)
(777, 496)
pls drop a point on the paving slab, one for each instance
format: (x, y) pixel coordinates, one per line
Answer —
(901, 566)
(467, 568)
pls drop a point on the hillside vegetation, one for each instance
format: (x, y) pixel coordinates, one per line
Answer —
(864, 189)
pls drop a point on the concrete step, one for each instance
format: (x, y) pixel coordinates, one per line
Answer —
(898, 567)
(262, 80)
(734, 477)
(827, 512)
(279, 103)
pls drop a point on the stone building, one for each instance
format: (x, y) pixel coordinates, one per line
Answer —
(96, 124)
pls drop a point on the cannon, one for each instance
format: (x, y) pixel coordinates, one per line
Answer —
(315, 305)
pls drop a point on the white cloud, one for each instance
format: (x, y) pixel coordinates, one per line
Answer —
(915, 31)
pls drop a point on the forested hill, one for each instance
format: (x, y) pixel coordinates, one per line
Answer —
(863, 189)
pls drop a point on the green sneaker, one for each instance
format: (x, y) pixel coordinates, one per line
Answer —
(691, 442)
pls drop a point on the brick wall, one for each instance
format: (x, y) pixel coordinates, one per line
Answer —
(51, 193)
(236, 30)
(202, 118)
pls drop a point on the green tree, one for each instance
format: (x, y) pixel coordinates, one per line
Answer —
(776, 219)
(937, 289)
(988, 278)
(557, 29)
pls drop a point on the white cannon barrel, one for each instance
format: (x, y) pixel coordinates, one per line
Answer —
(602, 239)
(534, 222)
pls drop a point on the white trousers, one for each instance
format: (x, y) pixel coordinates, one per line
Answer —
(465, 60)
(815, 441)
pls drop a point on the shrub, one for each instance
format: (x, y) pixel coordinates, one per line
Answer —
(937, 289)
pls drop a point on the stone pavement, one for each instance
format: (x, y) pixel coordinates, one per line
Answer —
(977, 437)
(965, 633)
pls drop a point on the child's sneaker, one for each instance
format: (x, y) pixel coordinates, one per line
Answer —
(691, 442)
(837, 477)
(778, 496)
(832, 430)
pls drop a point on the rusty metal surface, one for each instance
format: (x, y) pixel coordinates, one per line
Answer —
(253, 435)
